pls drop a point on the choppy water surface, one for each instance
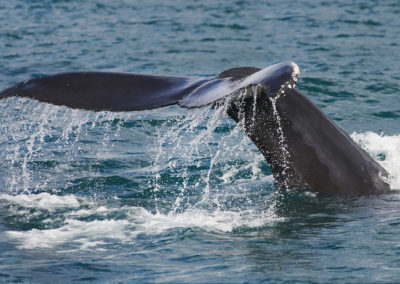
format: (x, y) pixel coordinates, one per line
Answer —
(176, 195)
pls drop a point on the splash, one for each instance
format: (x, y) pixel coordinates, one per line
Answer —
(42, 201)
(85, 224)
(282, 142)
(202, 171)
(385, 149)
(45, 142)
(207, 175)
(201, 150)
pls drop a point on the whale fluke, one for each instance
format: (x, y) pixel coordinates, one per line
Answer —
(102, 91)
(98, 91)
(303, 146)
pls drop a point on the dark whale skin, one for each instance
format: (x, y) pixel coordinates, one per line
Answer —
(304, 147)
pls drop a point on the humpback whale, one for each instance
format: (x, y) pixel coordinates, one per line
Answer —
(304, 147)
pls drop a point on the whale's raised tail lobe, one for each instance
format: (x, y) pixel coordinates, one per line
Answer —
(106, 91)
(98, 91)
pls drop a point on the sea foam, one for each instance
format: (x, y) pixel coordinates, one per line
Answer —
(385, 149)
(93, 228)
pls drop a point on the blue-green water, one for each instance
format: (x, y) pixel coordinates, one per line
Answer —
(177, 195)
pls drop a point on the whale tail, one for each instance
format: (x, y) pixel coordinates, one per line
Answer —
(98, 91)
(302, 145)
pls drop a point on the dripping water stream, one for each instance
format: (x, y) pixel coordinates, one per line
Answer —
(156, 170)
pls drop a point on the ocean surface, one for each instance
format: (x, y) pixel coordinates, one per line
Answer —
(179, 195)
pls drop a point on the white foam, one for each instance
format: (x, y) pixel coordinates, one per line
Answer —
(83, 234)
(79, 234)
(223, 221)
(384, 149)
(45, 201)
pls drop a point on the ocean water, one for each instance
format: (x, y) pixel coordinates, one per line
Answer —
(178, 195)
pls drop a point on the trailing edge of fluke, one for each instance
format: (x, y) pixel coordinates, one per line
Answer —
(104, 91)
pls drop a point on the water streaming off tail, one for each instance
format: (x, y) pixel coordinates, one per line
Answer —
(204, 159)
(48, 148)
(282, 142)
(71, 173)
(82, 180)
